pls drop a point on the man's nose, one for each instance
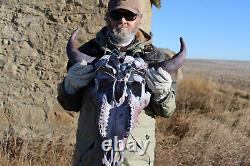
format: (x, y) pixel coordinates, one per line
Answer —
(123, 20)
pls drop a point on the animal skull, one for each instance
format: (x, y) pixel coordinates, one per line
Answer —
(120, 90)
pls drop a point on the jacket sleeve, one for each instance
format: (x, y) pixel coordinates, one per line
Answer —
(67, 101)
(163, 108)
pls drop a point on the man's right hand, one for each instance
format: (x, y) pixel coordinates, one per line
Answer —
(79, 75)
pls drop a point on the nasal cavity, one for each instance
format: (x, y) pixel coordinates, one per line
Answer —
(119, 88)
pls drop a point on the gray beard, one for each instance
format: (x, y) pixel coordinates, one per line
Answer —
(122, 37)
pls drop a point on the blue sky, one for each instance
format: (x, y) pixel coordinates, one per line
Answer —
(212, 29)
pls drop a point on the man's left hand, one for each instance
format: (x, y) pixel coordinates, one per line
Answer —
(159, 82)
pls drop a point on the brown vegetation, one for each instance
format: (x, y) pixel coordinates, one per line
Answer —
(210, 127)
(16, 151)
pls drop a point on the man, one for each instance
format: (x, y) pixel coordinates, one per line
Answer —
(122, 32)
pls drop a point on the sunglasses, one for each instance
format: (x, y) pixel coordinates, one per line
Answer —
(118, 15)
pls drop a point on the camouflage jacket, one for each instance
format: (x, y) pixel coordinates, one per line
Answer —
(142, 46)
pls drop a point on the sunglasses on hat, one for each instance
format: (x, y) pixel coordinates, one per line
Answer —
(118, 15)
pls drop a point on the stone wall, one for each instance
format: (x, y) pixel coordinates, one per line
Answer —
(33, 36)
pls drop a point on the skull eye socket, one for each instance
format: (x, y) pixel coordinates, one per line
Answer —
(135, 88)
(104, 84)
(135, 83)
(106, 87)
(119, 89)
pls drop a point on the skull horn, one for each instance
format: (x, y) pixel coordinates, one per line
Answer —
(73, 53)
(175, 62)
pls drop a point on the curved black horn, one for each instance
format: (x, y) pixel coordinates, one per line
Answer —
(73, 53)
(175, 62)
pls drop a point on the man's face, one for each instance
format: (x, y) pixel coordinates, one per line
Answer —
(123, 19)
(123, 23)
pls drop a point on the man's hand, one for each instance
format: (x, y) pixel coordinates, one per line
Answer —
(79, 75)
(159, 82)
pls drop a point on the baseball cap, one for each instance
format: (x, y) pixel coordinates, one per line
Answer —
(130, 5)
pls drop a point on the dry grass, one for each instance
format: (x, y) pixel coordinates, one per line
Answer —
(201, 94)
(196, 94)
(210, 127)
(16, 151)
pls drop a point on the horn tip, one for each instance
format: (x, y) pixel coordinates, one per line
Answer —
(76, 31)
(182, 42)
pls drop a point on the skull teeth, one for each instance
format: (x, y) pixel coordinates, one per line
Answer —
(133, 109)
(104, 116)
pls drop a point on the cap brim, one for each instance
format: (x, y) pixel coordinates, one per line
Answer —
(125, 8)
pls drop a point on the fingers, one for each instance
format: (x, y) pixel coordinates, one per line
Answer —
(158, 81)
(150, 84)
(78, 81)
(155, 76)
(150, 76)
(86, 76)
(79, 75)
(81, 70)
(79, 65)
(159, 75)
(165, 75)
(83, 73)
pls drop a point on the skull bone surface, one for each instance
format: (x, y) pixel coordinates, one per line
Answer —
(121, 96)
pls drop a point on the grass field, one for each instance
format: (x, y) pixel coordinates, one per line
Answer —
(210, 126)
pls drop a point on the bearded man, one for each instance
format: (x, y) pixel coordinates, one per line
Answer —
(121, 33)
